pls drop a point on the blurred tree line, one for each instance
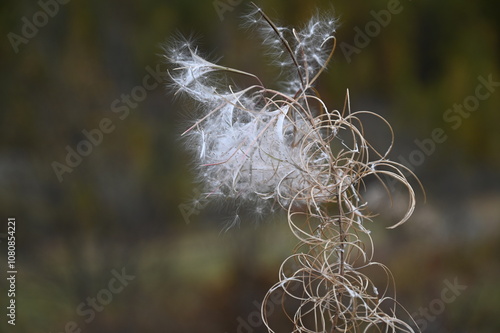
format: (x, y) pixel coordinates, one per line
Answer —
(120, 206)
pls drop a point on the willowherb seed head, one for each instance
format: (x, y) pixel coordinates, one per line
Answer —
(255, 143)
(263, 147)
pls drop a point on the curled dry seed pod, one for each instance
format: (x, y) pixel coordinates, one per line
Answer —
(287, 149)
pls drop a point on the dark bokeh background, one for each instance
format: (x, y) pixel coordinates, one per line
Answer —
(121, 207)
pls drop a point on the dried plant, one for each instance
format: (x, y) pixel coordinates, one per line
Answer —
(287, 149)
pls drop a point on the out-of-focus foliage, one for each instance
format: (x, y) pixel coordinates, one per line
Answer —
(120, 206)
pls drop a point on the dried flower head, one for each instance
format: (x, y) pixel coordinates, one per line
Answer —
(287, 148)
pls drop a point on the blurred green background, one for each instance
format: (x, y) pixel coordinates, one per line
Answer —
(121, 208)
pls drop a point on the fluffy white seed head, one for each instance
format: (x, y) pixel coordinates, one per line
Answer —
(264, 146)
(255, 144)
